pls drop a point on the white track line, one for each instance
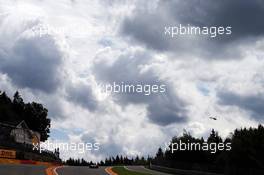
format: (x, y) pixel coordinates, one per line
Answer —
(55, 170)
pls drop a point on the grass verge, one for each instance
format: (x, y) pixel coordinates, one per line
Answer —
(123, 171)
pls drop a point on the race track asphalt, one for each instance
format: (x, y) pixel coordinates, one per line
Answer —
(22, 170)
(71, 170)
(66, 170)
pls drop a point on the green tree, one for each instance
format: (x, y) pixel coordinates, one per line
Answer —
(34, 114)
(36, 118)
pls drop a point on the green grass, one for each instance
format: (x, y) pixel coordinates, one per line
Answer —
(123, 171)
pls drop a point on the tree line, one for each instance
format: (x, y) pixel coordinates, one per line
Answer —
(34, 114)
(111, 161)
(246, 155)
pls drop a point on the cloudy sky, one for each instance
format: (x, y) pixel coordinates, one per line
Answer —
(105, 41)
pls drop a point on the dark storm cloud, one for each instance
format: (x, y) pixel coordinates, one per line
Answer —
(251, 103)
(243, 16)
(163, 108)
(146, 30)
(167, 109)
(33, 63)
(82, 95)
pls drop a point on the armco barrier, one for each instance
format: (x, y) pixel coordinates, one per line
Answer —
(9, 161)
(31, 162)
(179, 171)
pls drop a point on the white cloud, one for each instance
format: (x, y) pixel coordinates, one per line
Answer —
(121, 125)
